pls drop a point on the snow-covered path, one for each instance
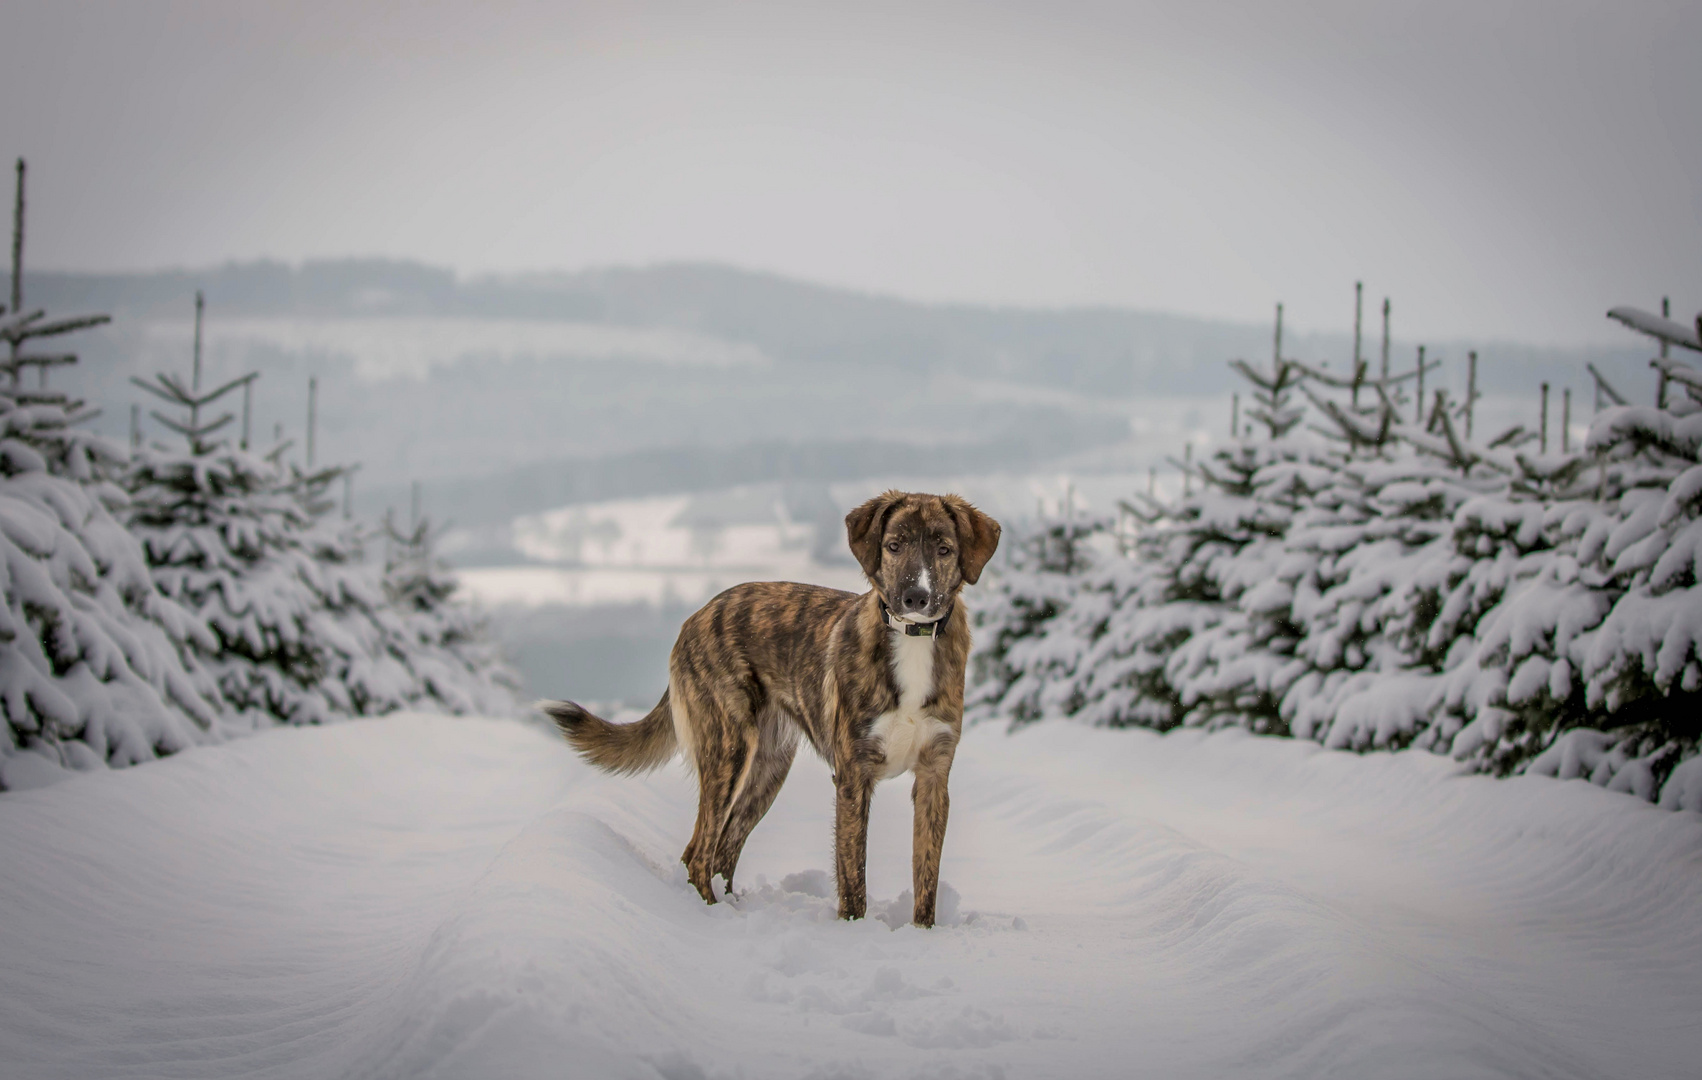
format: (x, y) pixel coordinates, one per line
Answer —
(431, 897)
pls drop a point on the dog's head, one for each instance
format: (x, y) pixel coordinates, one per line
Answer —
(919, 550)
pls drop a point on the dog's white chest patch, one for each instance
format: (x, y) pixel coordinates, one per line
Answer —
(903, 732)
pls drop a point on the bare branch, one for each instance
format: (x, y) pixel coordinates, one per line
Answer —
(1464, 458)
(1339, 383)
(47, 397)
(13, 365)
(1606, 387)
(181, 429)
(17, 322)
(1255, 376)
(62, 326)
(277, 451)
(170, 398)
(227, 388)
(1513, 436)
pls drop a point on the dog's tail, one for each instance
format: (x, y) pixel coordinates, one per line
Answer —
(617, 748)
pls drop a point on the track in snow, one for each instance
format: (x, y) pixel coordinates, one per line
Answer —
(422, 896)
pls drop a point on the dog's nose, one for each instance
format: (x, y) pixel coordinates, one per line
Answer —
(915, 598)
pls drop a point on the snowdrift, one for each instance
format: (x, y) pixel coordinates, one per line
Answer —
(422, 896)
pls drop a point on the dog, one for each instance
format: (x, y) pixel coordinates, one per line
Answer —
(873, 681)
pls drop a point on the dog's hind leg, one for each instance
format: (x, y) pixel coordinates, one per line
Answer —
(714, 799)
(726, 752)
(773, 760)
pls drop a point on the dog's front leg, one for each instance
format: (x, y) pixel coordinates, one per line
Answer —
(933, 805)
(854, 792)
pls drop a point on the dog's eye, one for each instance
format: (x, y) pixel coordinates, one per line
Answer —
(892, 546)
(944, 551)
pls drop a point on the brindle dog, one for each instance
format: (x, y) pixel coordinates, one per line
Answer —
(874, 682)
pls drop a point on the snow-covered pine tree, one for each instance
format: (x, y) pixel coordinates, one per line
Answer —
(1201, 633)
(1383, 617)
(95, 667)
(1628, 655)
(1483, 610)
(1157, 639)
(1399, 584)
(1032, 581)
(228, 536)
(446, 643)
(360, 632)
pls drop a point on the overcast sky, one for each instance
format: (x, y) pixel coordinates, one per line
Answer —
(1499, 169)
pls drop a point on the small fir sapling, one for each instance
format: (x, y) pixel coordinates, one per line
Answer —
(446, 643)
(359, 631)
(1035, 580)
(228, 536)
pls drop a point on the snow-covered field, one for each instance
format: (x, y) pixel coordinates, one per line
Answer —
(683, 549)
(421, 896)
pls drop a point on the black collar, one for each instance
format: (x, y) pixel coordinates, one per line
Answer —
(910, 629)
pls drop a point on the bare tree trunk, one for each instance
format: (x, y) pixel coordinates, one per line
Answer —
(312, 418)
(1358, 313)
(1566, 420)
(1661, 385)
(1471, 390)
(1385, 339)
(18, 268)
(195, 374)
(18, 247)
(1418, 405)
(1543, 427)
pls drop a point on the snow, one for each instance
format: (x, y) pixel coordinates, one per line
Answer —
(663, 551)
(426, 896)
(1657, 327)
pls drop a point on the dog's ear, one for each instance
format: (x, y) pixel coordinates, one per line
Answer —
(865, 526)
(977, 537)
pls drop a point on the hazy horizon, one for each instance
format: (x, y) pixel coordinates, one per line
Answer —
(1616, 337)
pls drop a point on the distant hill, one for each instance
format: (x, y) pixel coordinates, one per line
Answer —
(1094, 350)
